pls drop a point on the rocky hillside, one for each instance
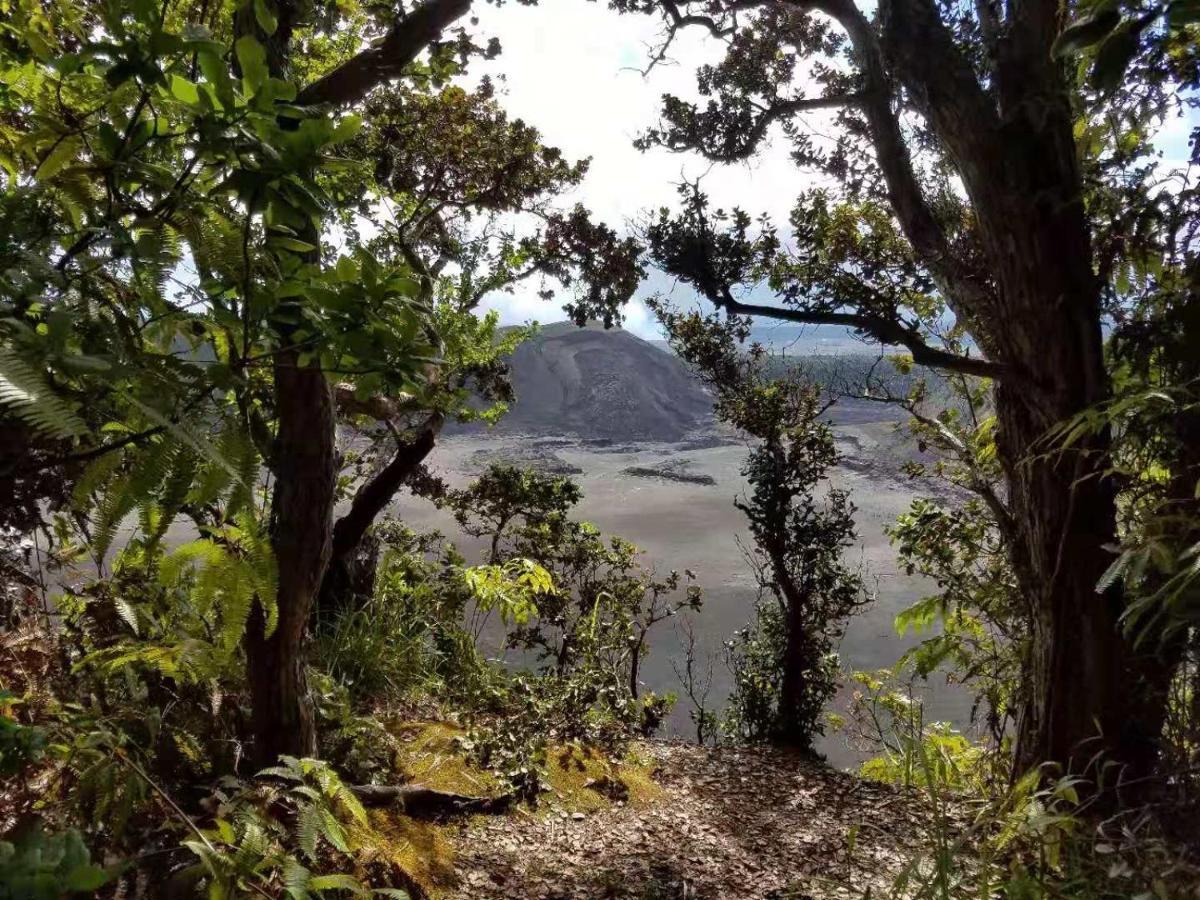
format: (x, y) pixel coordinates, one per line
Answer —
(603, 385)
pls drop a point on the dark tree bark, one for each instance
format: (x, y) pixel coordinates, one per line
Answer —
(1032, 305)
(357, 77)
(304, 457)
(305, 466)
(790, 729)
(1017, 158)
(351, 572)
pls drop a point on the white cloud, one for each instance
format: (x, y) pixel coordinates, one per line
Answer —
(572, 69)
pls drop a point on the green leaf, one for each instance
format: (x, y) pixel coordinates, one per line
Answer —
(1114, 56)
(1086, 32)
(346, 270)
(216, 73)
(265, 18)
(335, 882)
(126, 611)
(294, 244)
(24, 392)
(184, 90)
(60, 155)
(85, 878)
(252, 57)
(346, 128)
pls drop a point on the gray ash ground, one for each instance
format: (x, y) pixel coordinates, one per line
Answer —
(627, 420)
(746, 823)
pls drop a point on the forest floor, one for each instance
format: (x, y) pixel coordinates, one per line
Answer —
(726, 823)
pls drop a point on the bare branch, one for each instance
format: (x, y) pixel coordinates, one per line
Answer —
(371, 498)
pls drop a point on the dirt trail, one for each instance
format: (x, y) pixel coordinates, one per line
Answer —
(736, 823)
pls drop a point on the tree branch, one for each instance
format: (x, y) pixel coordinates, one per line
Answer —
(358, 76)
(884, 330)
(966, 294)
(81, 456)
(780, 110)
(378, 491)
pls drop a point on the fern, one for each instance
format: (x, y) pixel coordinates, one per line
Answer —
(228, 574)
(25, 393)
(125, 493)
(187, 436)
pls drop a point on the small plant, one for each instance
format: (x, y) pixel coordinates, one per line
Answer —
(41, 866)
(296, 831)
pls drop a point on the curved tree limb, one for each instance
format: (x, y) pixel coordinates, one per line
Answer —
(884, 330)
(968, 293)
(387, 59)
(378, 491)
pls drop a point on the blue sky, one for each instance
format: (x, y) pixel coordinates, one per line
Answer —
(570, 67)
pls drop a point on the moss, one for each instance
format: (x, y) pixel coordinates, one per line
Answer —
(420, 850)
(581, 778)
(431, 753)
(585, 780)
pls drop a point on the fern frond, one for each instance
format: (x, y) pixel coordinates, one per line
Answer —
(93, 478)
(130, 492)
(187, 436)
(308, 830)
(337, 881)
(25, 393)
(295, 879)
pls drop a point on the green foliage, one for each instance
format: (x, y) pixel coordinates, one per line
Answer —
(41, 866)
(289, 834)
(408, 636)
(1033, 838)
(785, 665)
(1116, 33)
(984, 835)
(976, 623)
(25, 393)
(580, 604)
(20, 745)
(755, 657)
(512, 589)
(884, 716)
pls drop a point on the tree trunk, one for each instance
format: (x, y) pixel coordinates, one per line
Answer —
(305, 468)
(1033, 305)
(1082, 704)
(792, 730)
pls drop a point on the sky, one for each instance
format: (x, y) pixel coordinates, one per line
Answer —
(572, 68)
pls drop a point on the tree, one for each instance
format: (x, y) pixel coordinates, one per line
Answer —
(594, 623)
(957, 207)
(177, 317)
(799, 536)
